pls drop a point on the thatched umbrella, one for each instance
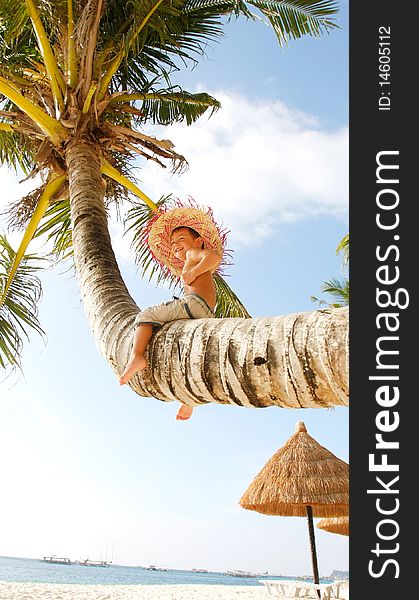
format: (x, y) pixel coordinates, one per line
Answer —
(335, 525)
(301, 479)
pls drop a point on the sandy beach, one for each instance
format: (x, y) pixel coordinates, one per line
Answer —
(52, 591)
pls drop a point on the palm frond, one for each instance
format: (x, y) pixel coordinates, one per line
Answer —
(165, 107)
(48, 125)
(338, 288)
(143, 39)
(115, 192)
(56, 225)
(14, 20)
(19, 212)
(343, 247)
(20, 308)
(179, 30)
(53, 185)
(113, 173)
(16, 151)
(48, 55)
(292, 19)
(17, 30)
(128, 26)
(228, 303)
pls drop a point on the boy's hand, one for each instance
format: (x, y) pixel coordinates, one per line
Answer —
(188, 276)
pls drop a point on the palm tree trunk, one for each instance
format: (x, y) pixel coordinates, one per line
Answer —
(294, 361)
(108, 305)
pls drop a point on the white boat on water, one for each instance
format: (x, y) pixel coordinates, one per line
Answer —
(94, 563)
(199, 571)
(240, 574)
(57, 560)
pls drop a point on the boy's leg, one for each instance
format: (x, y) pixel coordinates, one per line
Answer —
(137, 360)
(184, 412)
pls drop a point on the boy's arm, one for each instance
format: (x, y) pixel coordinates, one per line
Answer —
(207, 260)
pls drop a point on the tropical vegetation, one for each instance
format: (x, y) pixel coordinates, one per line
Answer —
(337, 287)
(79, 81)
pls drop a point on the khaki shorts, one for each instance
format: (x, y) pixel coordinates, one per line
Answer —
(190, 306)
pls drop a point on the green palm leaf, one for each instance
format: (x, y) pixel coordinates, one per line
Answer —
(228, 304)
(339, 289)
(165, 107)
(20, 308)
(179, 31)
(16, 151)
(51, 187)
(56, 225)
(14, 19)
(343, 247)
(292, 19)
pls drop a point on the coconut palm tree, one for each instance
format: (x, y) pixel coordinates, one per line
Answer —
(78, 79)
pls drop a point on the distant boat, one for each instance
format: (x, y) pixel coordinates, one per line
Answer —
(199, 571)
(94, 563)
(240, 574)
(154, 568)
(57, 560)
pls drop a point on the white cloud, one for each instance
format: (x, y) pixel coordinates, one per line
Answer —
(257, 163)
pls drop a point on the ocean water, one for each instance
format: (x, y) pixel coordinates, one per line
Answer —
(38, 571)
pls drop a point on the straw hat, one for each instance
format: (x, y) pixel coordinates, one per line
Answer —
(199, 219)
(335, 525)
(299, 474)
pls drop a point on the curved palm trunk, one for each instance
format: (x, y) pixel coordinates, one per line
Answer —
(295, 361)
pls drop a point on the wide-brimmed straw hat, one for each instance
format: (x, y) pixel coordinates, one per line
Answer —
(199, 219)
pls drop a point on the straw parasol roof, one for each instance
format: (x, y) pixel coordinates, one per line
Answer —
(335, 525)
(300, 473)
(302, 479)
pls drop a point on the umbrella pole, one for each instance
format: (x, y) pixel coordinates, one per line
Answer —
(312, 545)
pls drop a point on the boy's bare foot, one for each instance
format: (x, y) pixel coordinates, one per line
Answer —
(184, 412)
(135, 363)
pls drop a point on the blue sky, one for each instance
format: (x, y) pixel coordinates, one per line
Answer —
(90, 466)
